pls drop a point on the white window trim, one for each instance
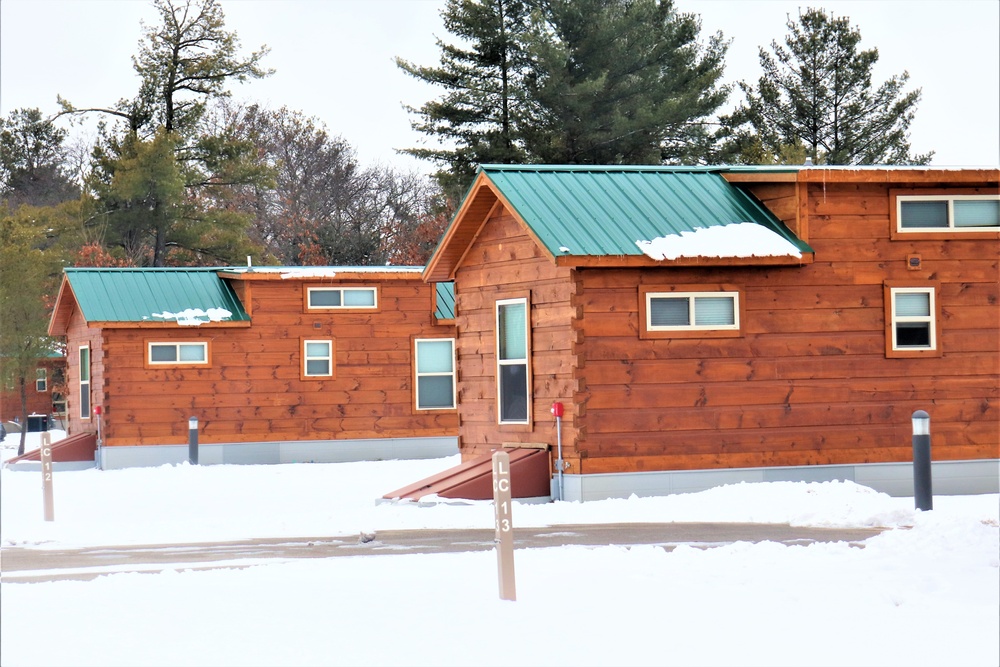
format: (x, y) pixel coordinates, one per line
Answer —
(177, 348)
(342, 290)
(41, 380)
(928, 319)
(690, 296)
(451, 373)
(514, 362)
(84, 385)
(951, 199)
(328, 357)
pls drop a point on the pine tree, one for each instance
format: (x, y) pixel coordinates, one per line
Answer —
(619, 82)
(569, 81)
(33, 161)
(29, 275)
(475, 116)
(817, 90)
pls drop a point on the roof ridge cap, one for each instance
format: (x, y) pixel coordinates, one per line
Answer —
(602, 167)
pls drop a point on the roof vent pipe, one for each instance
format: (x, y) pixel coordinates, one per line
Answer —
(809, 161)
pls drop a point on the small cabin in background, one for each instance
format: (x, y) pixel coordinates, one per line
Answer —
(276, 364)
(702, 326)
(44, 393)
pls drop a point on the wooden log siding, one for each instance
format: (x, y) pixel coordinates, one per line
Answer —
(505, 262)
(808, 381)
(80, 334)
(253, 389)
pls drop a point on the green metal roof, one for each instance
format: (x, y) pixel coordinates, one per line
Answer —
(605, 210)
(138, 295)
(445, 301)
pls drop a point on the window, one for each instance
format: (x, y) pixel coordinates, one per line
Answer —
(41, 379)
(177, 354)
(512, 361)
(84, 382)
(435, 373)
(317, 358)
(911, 320)
(692, 311)
(322, 298)
(956, 213)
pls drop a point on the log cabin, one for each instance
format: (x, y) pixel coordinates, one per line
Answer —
(703, 326)
(43, 393)
(277, 365)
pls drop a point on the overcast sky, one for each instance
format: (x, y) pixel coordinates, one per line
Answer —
(334, 60)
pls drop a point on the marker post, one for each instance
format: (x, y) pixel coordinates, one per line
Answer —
(48, 504)
(504, 528)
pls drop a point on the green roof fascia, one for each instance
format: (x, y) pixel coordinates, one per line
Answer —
(135, 295)
(712, 169)
(602, 211)
(603, 168)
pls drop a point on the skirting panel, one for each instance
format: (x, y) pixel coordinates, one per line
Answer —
(57, 466)
(315, 451)
(948, 478)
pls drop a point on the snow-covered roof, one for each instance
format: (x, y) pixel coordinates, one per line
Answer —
(741, 239)
(187, 296)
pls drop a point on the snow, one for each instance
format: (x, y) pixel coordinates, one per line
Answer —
(195, 316)
(331, 272)
(741, 239)
(309, 273)
(926, 591)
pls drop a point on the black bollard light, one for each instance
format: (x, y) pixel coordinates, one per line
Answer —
(193, 440)
(922, 496)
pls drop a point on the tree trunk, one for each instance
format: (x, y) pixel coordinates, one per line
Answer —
(504, 76)
(23, 386)
(160, 247)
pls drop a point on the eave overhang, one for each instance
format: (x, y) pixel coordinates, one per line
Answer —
(63, 310)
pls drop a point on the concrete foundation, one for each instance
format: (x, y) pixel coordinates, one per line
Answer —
(311, 451)
(949, 478)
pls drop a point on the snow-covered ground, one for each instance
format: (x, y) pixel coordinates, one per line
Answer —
(926, 592)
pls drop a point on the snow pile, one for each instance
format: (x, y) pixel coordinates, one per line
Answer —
(838, 504)
(742, 239)
(192, 317)
(331, 272)
(318, 272)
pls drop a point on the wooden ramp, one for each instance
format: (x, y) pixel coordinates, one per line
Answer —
(81, 447)
(473, 480)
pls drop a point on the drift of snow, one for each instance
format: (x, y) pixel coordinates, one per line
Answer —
(192, 317)
(741, 239)
(924, 592)
(309, 273)
(331, 272)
